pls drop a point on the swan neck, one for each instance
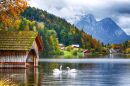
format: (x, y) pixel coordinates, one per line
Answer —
(60, 68)
(68, 69)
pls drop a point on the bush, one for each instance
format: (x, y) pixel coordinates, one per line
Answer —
(92, 50)
(74, 51)
(61, 52)
(68, 48)
(57, 52)
(69, 56)
(128, 50)
(81, 50)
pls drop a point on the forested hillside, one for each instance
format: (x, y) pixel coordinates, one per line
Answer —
(52, 29)
(124, 47)
(65, 32)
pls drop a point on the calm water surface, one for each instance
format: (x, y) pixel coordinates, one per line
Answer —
(113, 71)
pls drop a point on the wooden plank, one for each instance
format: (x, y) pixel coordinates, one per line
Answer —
(13, 67)
(11, 63)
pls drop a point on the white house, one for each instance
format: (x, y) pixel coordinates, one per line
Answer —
(75, 46)
(62, 46)
(112, 50)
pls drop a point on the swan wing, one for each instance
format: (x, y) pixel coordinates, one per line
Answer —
(56, 70)
(73, 70)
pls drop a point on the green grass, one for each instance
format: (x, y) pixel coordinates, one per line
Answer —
(80, 54)
(70, 55)
(67, 53)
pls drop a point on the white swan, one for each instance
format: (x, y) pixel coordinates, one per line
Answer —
(57, 70)
(71, 70)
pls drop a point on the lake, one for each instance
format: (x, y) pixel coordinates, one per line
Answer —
(101, 70)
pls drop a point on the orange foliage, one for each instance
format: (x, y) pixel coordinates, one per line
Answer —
(117, 46)
(94, 43)
(34, 28)
(42, 15)
(10, 9)
(54, 22)
(83, 42)
(27, 27)
(48, 21)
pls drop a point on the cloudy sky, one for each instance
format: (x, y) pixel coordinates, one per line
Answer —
(118, 10)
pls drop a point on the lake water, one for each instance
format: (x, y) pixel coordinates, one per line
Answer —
(108, 70)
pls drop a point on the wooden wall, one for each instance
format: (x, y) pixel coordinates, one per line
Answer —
(16, 59)
(13, 59)
(36, 52)
(35, 47)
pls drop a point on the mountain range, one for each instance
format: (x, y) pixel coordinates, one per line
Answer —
(106, 30)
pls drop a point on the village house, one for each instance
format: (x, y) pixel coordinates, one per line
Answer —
(19, 49)
(114, 50)
(75, 46)
(86, 51)
(62, 46)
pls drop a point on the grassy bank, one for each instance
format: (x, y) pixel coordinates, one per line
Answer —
(70, 55)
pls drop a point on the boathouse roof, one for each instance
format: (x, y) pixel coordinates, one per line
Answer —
(19, 40)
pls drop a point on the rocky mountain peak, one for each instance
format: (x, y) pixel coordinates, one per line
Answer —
(106, 30)
(88, 18)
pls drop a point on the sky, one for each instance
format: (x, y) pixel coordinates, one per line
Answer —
(117, 10)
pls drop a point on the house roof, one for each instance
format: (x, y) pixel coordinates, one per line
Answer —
(18, 40)
(75, 45)
(61, 45)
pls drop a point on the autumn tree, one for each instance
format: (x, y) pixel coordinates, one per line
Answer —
(34, 28)
(42, 15)
(83, 43)
(27, 27)
(48, 21)
(9, 10)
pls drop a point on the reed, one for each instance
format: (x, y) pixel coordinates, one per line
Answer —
(7, 82)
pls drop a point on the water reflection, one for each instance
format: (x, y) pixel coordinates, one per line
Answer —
(71, 75)
(92, 74)
(21, 77)
(115, 55)
(103, 73)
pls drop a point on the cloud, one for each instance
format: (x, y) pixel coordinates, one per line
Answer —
(118, 10)
(127, 30)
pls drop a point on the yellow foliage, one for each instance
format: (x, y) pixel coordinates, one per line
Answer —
(74, 31)
(10, 9)
(17, 23)
(128, 50)
(51, 40)
(33, 22)
(41, 24)
(112, 45)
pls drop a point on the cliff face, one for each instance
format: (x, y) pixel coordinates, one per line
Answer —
(106, 30)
